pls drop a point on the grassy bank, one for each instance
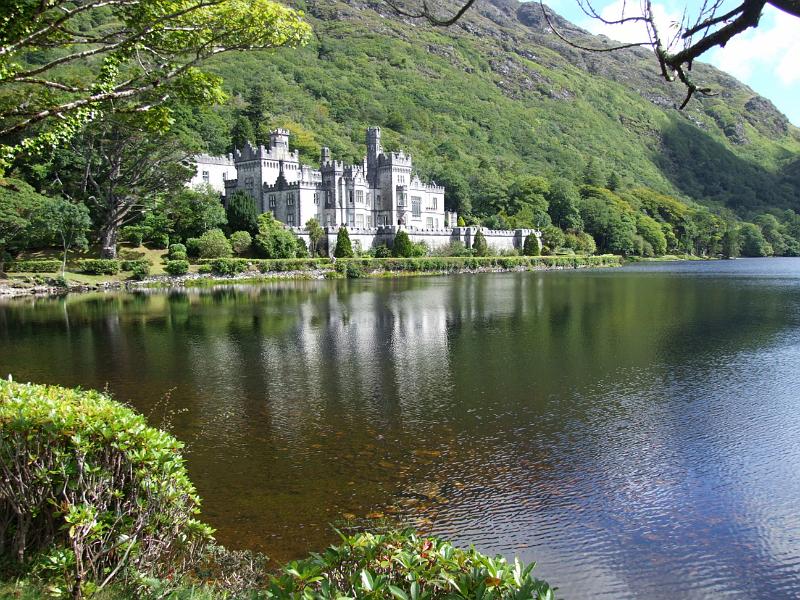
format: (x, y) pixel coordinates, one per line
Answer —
(208, 272)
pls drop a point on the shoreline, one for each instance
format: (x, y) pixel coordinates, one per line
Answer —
(338, 270)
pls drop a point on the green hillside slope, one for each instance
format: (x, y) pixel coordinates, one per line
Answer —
(497, 97)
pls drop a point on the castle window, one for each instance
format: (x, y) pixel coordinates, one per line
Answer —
(360, 196)
(360, 221)
(206, 176)
(370, 222)
(290, 219)
(401, 199)
(434, 203)
(429, 222)
(290, 199)
(328, 220)
(316, 197)
(272, 200)
(350, 192)
(248, 181)
(416, 206)
(351, 220)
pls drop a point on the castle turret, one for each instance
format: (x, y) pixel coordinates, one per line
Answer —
(325, 156)
(373, 152)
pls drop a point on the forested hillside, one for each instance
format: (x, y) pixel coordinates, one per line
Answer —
(498, 96)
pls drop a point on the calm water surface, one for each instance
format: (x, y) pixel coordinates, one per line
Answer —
(635, 431)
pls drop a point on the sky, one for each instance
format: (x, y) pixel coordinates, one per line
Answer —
(766, 58)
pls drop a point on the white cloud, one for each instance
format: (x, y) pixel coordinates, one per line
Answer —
(774, 46)
(632, 31)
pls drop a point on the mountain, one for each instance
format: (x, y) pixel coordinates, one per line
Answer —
(498, 96)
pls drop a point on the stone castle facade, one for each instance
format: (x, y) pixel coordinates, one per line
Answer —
(380, 192)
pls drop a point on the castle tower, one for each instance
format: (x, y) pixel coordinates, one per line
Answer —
(279, 139)
(373, 151)
(325, 156)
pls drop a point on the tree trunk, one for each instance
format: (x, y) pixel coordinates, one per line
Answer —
(108, 241)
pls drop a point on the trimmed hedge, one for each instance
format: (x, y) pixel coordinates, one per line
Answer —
(95, 489)
(33, 266)
(228, 266)
(469, 263)
(132, 265)
(99, 266)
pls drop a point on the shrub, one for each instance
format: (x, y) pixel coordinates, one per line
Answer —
(402, 246)
(383, 251)
(133, 234)
(99, 266)
(104, 491)
(344, 249)
(160, 240)
(177, 249)
(479, 245)
(273, 239)
(33, 266)
(241, 241)
(302, 249)
(580, 242)
(461, 222)
(228, 266)
(193, 247)
(177, 267)
(140, 270)
(214, 244)
(178, 256)
(531, 246)
(205, 269)
(403, 565)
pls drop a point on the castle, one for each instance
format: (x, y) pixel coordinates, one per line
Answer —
(380, 192)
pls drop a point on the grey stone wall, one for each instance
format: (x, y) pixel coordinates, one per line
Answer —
(366, 238)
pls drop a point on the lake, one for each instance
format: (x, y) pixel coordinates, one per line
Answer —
(634, 431)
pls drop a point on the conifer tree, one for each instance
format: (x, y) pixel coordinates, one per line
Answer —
(531, 246)
(344, 249)
(402, 247)
(479, 246)
(241, 213)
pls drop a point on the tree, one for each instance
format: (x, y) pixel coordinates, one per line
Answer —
(241, 241)
(118, 167)
(552, 237)
(273, 240)
(773, 233)
(134, 55)
(563, 200)
(344, 249)
(730, 241)
(315, 234)
(613, 182)
(593, 174)
(242, 132)
(528, 196)
(710, 25)
(402, 246)
(191, 212)
(214, 244)
(20, 205)
(752, 241)
(479, 246)
(612, 227)
(531, 245)
(651, 232)
(241, 213)
(69, 223)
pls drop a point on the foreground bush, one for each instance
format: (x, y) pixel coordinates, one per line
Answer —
(404, 566)
(99, 266)
(88, 491)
